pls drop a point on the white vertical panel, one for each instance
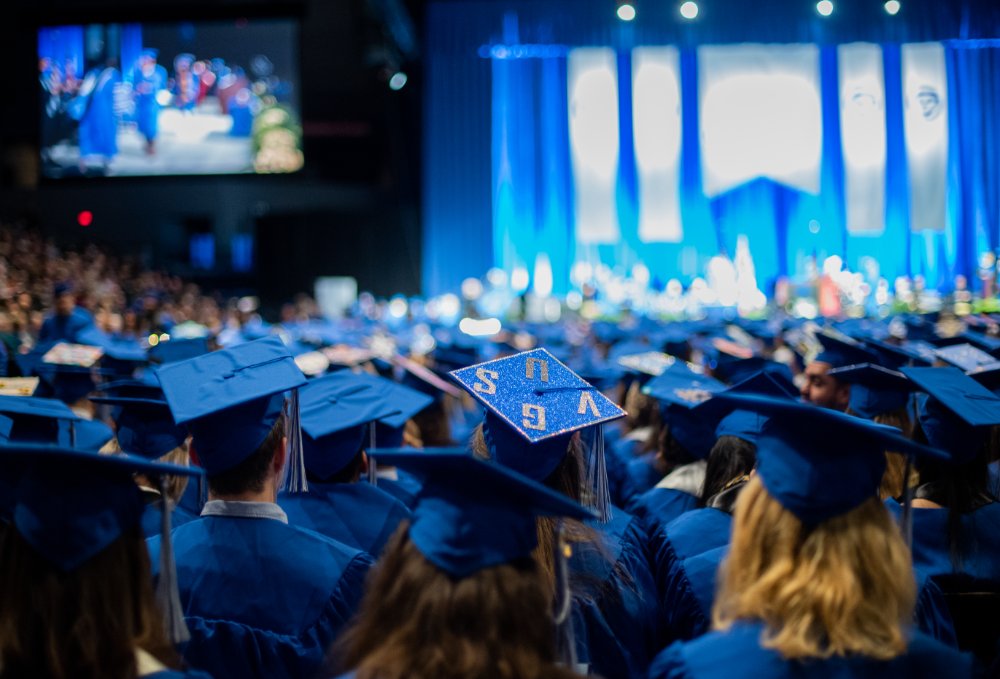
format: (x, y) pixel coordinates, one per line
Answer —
(592, 83)
(925, 117)
(656, 127)
(863, 136)
(760, 115)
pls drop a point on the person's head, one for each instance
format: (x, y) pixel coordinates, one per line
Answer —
(64, 299)
(842, 587)
(731, 460)
(823, 390)
(260, 473)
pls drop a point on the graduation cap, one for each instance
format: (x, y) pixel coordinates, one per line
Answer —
(744, 424)
(987, 375)
(472, 514)
(425, 380)
(985, 342)
(682, 388)
(178, 349)
(819, 463)
(144, 424)
(966, 357)
(957, 412)
(39, 420)
(97, 502)
(897, 355)
(874, 390)
(336, 412)
(533, 404)
(841, 351)
(231, 399)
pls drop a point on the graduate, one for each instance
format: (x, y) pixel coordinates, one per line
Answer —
(148, 78)
(339, 411)
(819, 387)
(486, 608)
(262, 598)
(67, 320)
(543, 421)
(817, 580)
(98, 129)
(145, 427)
(78, 601)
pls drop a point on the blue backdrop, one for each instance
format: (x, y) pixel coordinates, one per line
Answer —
(498, 185)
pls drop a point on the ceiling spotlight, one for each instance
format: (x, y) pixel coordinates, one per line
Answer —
(397, 80)
(689, 10)
(626, 12)
(824, 7)
(892, 7)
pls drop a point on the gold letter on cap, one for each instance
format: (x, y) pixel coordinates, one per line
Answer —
(534, 416)
(529, 368)
(487, 386)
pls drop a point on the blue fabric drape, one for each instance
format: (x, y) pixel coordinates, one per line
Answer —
(62, 44)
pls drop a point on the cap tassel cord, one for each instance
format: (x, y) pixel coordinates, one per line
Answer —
(372, 466)
(907, 527)
(295, 477)
(563, 605)
(597, 476)
(167, 594)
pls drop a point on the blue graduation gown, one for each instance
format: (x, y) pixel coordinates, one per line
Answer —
(356, 514)
(151, 518)
(737, 653)
(57, 328)
(615, 615)
(99, 125)
(641, 474)
(931, 553)
(262, 598)
(657, 507)
(403, 486)
(147, 108)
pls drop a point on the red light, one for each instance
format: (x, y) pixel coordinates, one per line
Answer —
(85, 218)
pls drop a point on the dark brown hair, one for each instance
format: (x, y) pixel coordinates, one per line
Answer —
(86, 624)
(418, 622)
(251, 473)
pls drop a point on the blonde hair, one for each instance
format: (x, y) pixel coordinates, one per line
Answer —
(893, 484)
(176, 485)
(842, 587)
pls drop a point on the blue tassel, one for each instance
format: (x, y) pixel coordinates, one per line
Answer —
(597, 474)
(562, 606)
(372, 466)
(167, 594)
(295, 473)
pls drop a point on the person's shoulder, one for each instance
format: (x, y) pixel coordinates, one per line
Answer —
(718, 654)
(320, 548)
(928, 657)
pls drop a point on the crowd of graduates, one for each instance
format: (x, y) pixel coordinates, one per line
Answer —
(188, 490)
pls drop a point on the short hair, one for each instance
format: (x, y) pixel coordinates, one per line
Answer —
(250, 474)
(349, 473)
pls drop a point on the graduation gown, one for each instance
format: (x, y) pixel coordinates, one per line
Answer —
(931, 552)
(262, 598)
(688, 535)
(401, 485)
(356, 514)
(641, 474)
(615, 614)
(151, 517)
(737, 653)
(658, 507)
(56, 328)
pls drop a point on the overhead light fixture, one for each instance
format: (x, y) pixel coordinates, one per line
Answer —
(689, 10)
(626, 11)
(824, 7)
(892, 7)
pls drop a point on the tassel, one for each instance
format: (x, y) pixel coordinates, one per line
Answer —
(907, 527)
(597, 475)
(562, 606)
(372, 466)
(202, 492)
(167, 594)
(295, 474)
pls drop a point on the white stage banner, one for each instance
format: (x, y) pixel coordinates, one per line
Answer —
(656, 127)
(863, 136)
(592, 85)
(925, 117)
(760, 115)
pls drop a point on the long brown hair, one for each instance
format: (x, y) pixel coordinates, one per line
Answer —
(893, 484)
(418, 622)
(85, 624)
(842, 587)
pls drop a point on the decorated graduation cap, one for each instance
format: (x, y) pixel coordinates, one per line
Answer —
(874, 390)
(472, 514)
(958, 411)
(98, 502)
(841, 351)
(679, 390)
(144, 425)
(231, 399)
(337, 410)
(965, 356)
(819, 463)
(988, 343)
(533, 404)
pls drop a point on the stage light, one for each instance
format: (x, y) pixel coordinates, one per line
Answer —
(397, 81)
(824, 7)
(689, 10)
(892, 7)
(626, 12)
(85, 218)
(480, 327)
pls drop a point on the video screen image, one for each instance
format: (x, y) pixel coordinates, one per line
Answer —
(130, 99)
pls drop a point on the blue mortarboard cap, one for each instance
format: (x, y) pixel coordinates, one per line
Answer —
(745, 424)
(985, 342)
(67, 383)
(841, 351)
(62, 288)
(988, 376)
(694, 431)
(143, 422)
(230, 398)
(336, 411)
(897, 355)
(874, 390)
(173, 350)
(957, 412)
(819, 463)
(472, 514)
(98, 499)
(965, 356)
(533, 405)
(38, 420)
(682, 388)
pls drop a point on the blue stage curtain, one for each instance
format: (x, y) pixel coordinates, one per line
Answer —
(62, 44)
(498, 185)
(131, 48)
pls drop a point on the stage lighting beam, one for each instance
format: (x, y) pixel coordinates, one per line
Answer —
(892, 7)
(824, 7)
(689, 10)
(626, 11)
